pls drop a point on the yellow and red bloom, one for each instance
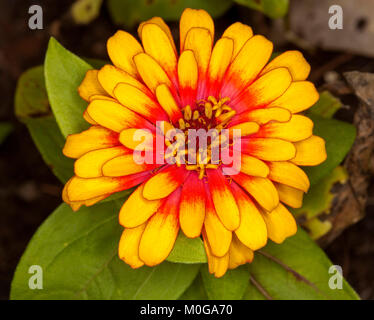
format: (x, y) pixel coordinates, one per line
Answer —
(227, 85)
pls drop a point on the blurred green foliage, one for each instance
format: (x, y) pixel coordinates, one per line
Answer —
(318, 201)
(128, 12)
(326, 106)
(5, 129)
(272, 8)
(84, 11)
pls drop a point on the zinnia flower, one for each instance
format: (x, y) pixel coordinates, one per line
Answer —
(229, 85)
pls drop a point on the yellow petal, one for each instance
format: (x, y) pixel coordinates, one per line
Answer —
(239, 254)
(246, 129)
(101, 97)
(310, 152)
(200, 42)
(298, 128)
(83, 189)
(219, 61)
(161, 232)
(217, 265)
(248, 63)
(89, 165)
(151, 72)
(269, 149)
(122, 47)
(109, 76)
(265, 115)
(240, 33)
(157, 44)
(253, 166)
(113, 116)
(290, 196)
(137, 209)
(167, 102)
(128, 249)
(139, 102)
(65, 197)
(261, 189)
(289, 174)
(264, 90)
(75, 205)
(90, 85)
(161, 23)
(192, 206)
(164, 182)
(223, 199)
(252, 230)
(88, 118)
(294, 61)
(124, 165)
(192, 18)
(218, 236)
(280, 224)
(132, 138)
(270, 86)
(92, 139)
(299, 96)
(187, 76)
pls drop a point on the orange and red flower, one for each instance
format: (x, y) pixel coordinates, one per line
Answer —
(227, 85)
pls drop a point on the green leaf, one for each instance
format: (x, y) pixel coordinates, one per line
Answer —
(253, 293)
(32, 108)
(49, 141)
(326, 106)
(78, 255)
(272, 8)
(187, 250)
(231, 286)
(296, 269)
(339, 137)
(5, 129)
(319, 200)
(129, 12)
(31, 95)
(196, 291)
(319, 197)
(64, 72)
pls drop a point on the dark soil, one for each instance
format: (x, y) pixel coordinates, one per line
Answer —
(29, 192)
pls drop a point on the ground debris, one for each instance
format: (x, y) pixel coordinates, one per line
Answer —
(351, 200)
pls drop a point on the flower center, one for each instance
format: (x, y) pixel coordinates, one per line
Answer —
(200, 135)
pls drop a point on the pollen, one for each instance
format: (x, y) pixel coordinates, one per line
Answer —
(207, 114)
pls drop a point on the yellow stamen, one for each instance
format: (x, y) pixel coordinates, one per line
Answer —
(182, 124)
(192, 167)
(187, 113)
(211, 166)
(208, 110)
(201, 173)
(218, 113)
(196, 115)
(223, 113)
(212, 100)
(224, 118)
